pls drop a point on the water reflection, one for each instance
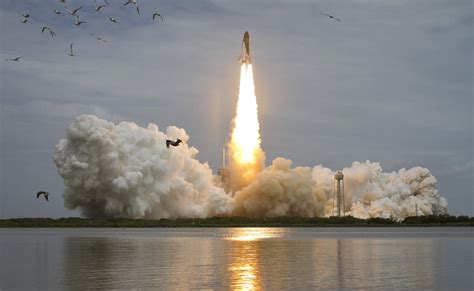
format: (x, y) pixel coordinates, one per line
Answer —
(233, 258)
(243, 258)
(137, 262)
(375, 263)
(243, 266)
(255, 233)
(247, 259)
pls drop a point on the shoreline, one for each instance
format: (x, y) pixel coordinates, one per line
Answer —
(76, 222)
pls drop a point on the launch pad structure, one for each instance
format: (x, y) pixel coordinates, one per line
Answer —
(223, 171)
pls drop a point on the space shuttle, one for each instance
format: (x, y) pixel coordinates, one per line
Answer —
(245, 50)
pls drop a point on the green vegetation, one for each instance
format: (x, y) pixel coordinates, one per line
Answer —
(442, 220)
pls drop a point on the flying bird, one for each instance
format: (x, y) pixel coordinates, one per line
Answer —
(24, 20)
(26, 15)
(74, 12)
(51, 31)
(330, 16)
(173, 143)
(71, 53)
(113, 20)
(14, 59)
(134, 2)
(98, 7)
(98, 38)
(44, 193)
(158, 15)
(79, 22)
(130, 2)
(57, 11)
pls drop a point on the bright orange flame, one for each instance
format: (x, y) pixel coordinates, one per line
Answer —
(246, 156)
(246, 137)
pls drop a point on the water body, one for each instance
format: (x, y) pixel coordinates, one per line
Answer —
(237, 258)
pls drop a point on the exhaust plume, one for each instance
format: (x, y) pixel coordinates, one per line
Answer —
(125, 170)
(246, 158)
(280, 190)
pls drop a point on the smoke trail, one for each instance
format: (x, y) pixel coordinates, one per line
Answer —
(246, 158)
(125, 170)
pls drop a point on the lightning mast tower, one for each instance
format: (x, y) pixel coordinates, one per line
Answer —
(338, 194)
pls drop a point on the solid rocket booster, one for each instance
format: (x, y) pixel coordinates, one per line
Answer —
(245, 51)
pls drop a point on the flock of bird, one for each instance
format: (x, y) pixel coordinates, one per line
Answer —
(97, 7)
(78, 21)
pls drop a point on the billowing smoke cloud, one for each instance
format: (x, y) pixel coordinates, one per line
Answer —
(280, 190)
(393, 195)
(125, 170)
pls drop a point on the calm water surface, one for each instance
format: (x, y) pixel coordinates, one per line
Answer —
(237, 258)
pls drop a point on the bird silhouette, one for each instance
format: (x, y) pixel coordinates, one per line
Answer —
(173, 143)
(14, 59)
(71, 53)
(74, 12)
(98, 38)
(113, 20)
(98, 7)
(130, 2)
(330, 16)
(78, 22)
(134, 2)
(51, 31)
(158, 15)
(44, 193)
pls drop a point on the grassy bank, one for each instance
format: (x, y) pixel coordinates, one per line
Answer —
(444, 220)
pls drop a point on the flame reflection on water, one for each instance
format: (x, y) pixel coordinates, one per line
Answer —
(244, 265)
(255, 233)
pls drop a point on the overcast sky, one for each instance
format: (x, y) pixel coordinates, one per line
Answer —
(392, 82)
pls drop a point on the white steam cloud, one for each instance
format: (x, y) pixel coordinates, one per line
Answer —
(125, 170)
(280, 190)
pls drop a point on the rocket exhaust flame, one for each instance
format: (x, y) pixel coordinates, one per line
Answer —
(245, 155)
(246, 134)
